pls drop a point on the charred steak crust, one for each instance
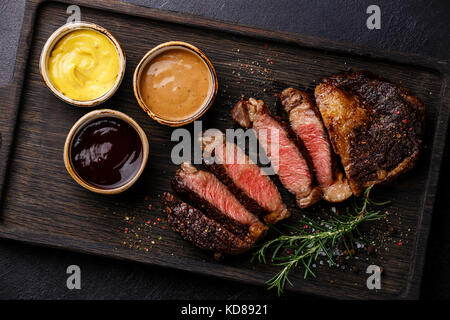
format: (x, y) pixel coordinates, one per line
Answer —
(197, 228)
(247, 232)
(384, 135)
(240, 230)
(240, 114)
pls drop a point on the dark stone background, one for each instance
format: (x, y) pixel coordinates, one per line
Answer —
(30, 272)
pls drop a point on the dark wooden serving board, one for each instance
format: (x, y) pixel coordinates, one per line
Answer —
(41, 204)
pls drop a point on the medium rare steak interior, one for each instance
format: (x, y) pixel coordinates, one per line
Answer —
(305, 121)
(214, 199)
(375, 126)
(293, 170)
(243, 177)
(203, 232)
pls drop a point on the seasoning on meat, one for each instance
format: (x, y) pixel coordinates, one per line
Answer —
(197, 228)
(375, 126)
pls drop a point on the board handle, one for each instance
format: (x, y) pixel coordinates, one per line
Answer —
(8, 117)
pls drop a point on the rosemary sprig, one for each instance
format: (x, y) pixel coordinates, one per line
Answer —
(313, 238)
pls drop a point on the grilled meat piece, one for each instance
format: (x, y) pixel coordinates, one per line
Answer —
(217, 202)
(197, 228)
(293, 170)
(375, 126)
(305, 121)
(243, 177)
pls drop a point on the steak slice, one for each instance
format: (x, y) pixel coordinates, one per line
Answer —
(217, 202)
(293, 170)
(305, 121)
(375, 126)
(197, 228)
(243, 177)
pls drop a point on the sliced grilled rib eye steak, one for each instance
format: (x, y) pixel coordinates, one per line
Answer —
(375, 126)
(293, 170)
(197, 228)
(243, 177)
(305, 121)
(214, 199)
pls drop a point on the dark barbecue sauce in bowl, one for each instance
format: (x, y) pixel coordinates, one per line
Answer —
(106, 152)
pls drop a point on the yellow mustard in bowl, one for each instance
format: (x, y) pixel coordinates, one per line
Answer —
(83, 65)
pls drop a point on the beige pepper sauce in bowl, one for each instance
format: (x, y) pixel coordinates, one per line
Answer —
(175, 83)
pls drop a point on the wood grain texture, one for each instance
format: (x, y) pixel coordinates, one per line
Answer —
(42, 204)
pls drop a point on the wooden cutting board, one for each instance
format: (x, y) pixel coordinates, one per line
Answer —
(41, 204)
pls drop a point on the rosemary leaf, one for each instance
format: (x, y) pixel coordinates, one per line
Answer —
(304, 245)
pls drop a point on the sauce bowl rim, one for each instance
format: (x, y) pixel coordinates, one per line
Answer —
(86, 119)
(57, 35)
(145, 60)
